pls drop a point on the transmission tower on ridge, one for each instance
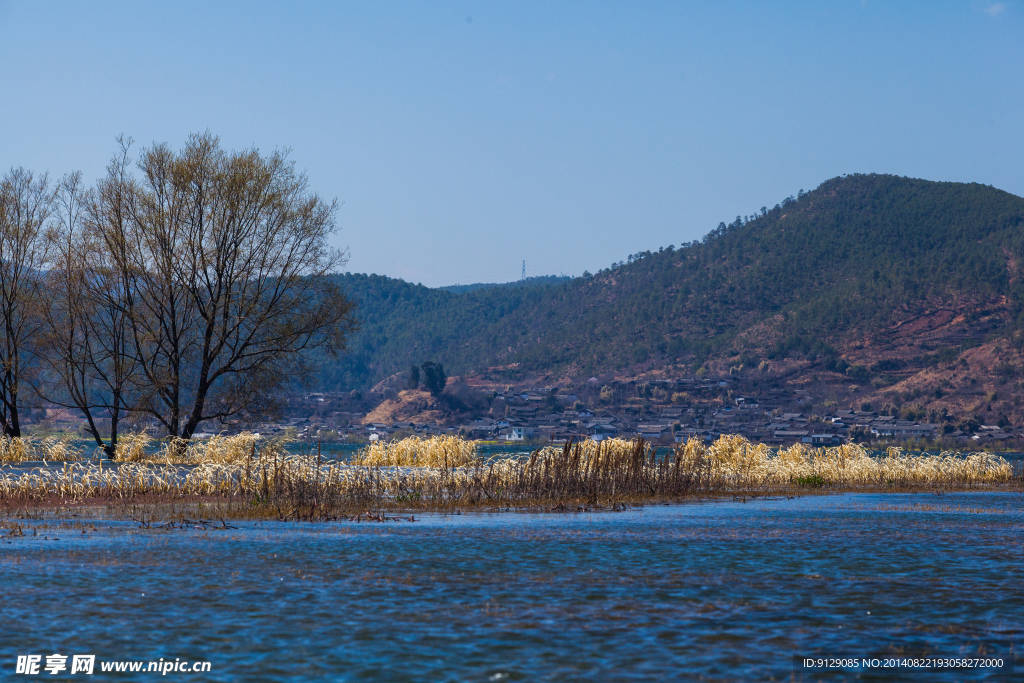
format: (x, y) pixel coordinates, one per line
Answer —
(523, 276)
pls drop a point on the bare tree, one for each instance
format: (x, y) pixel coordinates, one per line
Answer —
(87, 344)
(26, 202)
(226, 267)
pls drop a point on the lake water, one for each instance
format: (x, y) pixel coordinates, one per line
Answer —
(720, 591)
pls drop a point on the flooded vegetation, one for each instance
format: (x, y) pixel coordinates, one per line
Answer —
(243, 477)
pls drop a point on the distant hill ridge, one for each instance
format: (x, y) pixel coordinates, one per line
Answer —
(812, 277)
(525, 282)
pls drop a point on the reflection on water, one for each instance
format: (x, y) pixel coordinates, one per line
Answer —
(723, 591)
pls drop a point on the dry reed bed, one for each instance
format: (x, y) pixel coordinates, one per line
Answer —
(436, 451)
(130, 448)
(268, 479)
(735, 460)
(53, 448)
(224, 450)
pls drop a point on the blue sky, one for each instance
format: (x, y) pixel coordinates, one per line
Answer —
(466, 137)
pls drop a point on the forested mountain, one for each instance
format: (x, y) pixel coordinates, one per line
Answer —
(810, 277)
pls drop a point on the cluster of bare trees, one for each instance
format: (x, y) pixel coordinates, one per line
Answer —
(187, 286)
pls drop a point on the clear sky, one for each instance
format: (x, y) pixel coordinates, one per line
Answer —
(465, 137)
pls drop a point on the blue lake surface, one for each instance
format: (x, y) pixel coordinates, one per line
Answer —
(716, 591)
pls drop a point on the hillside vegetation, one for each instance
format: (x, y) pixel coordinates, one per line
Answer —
(818, 277)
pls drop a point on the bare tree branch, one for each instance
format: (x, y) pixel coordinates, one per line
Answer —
(26, 202)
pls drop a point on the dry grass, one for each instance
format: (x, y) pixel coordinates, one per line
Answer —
(436, 451)
(53, 448)
(734, 460)
(132, 448)
(224, 450)
(264, 479)
(14, 450)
